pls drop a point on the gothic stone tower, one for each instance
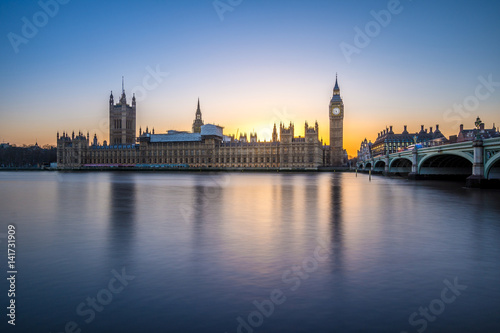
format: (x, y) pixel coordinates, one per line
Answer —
(336, 127)
(286, 139)
(121, 120)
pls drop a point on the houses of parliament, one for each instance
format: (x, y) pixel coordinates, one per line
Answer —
(205, 147)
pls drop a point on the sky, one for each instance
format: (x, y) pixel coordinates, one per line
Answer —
(251, 64)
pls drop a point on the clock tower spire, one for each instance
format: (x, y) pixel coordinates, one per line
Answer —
(336, 89)
(336, 113)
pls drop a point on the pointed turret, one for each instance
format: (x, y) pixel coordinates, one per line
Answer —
(198, 122)
(336, 92)
(111, 100)
(123, 99)
(336, 89)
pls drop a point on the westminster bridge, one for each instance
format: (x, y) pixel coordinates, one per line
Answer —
(478, 161)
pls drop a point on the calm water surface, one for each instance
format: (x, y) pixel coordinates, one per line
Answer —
(201, 252)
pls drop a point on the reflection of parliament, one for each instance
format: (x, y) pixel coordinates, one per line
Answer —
(205, 147)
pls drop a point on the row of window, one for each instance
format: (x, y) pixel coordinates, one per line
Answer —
(116, 154)
(117, 124)
(187, 160)
(202, 161)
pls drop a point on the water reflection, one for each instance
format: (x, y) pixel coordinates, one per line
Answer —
(206, 202)
(122, 214)
(336, 221)
(287, 220)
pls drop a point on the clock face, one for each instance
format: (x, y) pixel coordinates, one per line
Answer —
(336, 111)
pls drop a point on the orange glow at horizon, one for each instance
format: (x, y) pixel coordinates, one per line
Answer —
(361, 120)
(355, 130)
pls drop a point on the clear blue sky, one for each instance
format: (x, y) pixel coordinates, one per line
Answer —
(264, 62)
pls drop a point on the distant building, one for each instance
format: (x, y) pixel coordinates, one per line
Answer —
(365, 151)
(206, 146)
(72, 151)
(4, 145)
(453, 139)
(470, 134)
(388, 142)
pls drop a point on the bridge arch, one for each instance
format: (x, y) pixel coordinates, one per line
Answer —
(448, 163)
(399, 160)
(492, 167)
(368, 165)
(400, 166)
(460, 154)
(379, 166)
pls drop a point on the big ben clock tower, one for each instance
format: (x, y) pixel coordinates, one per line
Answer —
(336, 127)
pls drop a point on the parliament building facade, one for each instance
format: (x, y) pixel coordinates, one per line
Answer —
(205, 147)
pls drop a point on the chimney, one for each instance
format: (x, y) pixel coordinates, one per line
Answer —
(426, 130)
(405, 128)
(481, 127)
(421, 128)
(437, 127)
(430, 130)
(390, 128)
(461, 127)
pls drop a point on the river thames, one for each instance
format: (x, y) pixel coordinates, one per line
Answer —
(249, 252)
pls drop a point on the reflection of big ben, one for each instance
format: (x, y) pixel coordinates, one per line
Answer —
(336, 127)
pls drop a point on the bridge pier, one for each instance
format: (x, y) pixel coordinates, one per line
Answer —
(386, 166)
(477, 179)
(414, 165)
